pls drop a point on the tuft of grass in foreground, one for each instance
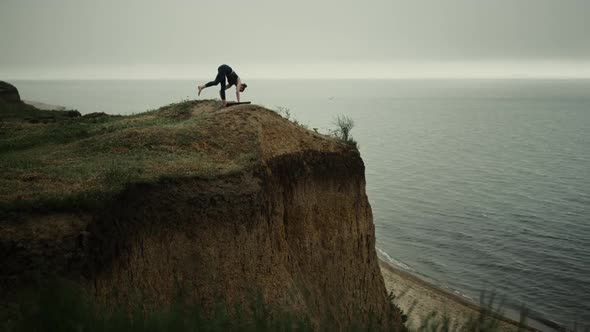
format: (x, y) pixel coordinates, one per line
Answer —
(489, 318)
(81, 162)
(61, 306)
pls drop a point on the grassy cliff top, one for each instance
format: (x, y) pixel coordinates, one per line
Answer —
(78, 163)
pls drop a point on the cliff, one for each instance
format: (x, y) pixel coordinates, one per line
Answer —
(222, 202)
(9, 93)
(13, 109)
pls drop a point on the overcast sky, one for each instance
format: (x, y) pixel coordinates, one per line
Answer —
(302, 38)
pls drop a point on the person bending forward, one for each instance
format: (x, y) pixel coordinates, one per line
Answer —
(223, 72)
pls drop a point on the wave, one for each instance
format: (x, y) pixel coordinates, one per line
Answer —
(392, 260)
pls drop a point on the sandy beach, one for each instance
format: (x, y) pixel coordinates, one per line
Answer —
(420, 298)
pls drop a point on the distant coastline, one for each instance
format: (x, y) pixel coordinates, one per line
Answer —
(44, 106)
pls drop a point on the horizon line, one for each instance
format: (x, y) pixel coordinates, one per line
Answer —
(411, 70)
(400, 78)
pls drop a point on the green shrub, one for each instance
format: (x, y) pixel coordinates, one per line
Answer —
(344, 125)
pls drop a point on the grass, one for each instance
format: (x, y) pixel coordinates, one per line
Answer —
(285, 112)
(62, 306)
(489, 318)
(344, 125)
(80, 162)
(22, 112)
(486, 320)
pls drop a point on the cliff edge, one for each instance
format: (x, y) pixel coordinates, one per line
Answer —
(221, 202)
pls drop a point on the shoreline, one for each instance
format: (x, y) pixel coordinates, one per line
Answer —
(43, 106)
(419, 298)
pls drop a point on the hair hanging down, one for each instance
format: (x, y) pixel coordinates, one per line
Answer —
(243, 87)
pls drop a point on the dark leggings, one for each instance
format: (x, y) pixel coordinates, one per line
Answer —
(222, 72)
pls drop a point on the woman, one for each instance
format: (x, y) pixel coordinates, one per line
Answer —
(223, 72)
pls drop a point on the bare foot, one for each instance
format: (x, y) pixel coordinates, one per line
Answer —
(200, 87)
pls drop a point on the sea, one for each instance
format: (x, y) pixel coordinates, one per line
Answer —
(477, 186)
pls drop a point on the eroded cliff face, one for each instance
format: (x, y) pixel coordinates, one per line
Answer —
(297, 229)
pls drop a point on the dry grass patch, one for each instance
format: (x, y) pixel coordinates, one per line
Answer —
(82, 159)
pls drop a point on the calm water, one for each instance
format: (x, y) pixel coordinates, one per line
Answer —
(475, 185)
